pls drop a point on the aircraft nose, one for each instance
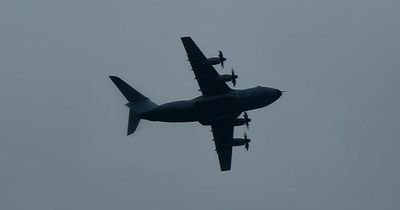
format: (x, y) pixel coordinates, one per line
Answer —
(272, 94)
(277, 93)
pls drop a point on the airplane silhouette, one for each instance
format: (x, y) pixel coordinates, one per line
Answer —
(219, 106)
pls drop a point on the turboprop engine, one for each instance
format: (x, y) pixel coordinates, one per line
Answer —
(216, 60)
(241, 121)
(239, 142)
(229, 77)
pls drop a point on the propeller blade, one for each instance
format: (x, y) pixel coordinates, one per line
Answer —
(246, 117)
(246, 145)
(233, 78)
(221, 58)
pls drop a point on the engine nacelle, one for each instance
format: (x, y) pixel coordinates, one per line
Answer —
(216, 60)
(241, 121)
(240, 142)
(228, 77)
(213, 61)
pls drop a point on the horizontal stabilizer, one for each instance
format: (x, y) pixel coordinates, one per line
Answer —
(129, 92)
(133, 122)
(138, 103)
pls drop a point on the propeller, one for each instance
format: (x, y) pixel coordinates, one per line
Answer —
(221, 58)
(246, 145)
(246, 118)
(234, 76)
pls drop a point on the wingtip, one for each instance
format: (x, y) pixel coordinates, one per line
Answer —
(114, 78)
(185, 37)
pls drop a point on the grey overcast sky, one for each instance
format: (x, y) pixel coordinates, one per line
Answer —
(331, 142)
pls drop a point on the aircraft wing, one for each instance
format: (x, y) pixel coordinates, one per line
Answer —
(206, 75)
(223, 137)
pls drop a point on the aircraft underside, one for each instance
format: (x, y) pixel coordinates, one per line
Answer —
(219, 106)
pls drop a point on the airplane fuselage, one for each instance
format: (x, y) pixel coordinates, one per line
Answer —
(211, 109)
(219, 106)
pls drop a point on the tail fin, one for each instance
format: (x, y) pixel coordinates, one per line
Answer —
(133, 122)
(138, 103)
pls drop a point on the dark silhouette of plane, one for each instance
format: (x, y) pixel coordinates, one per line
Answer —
(219, 106)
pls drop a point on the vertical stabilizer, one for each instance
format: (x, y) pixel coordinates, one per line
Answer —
(133, 122)
(138, 103)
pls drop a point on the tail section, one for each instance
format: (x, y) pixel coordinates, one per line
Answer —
(138, 103)
(133, 122)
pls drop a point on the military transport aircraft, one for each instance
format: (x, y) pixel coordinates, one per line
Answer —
(219, 106)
